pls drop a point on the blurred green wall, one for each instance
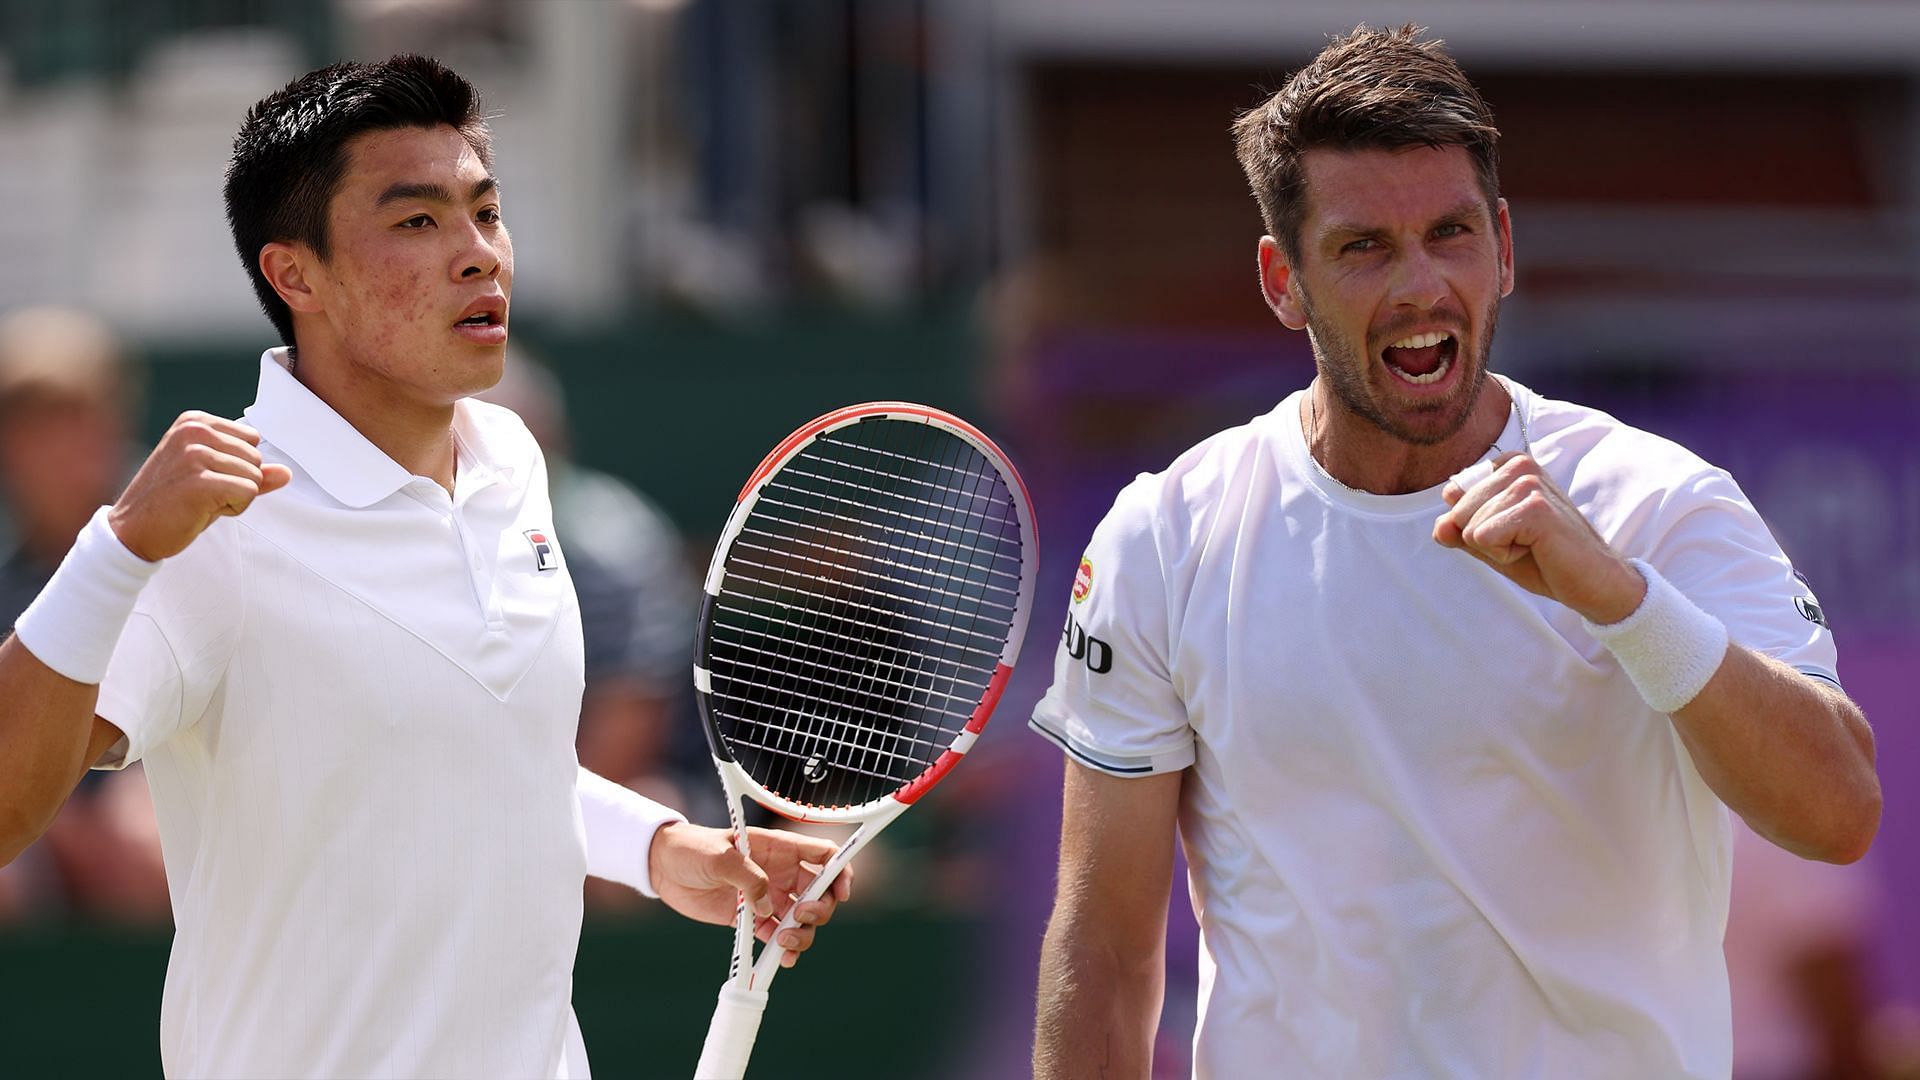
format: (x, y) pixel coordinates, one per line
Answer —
(84, 1001)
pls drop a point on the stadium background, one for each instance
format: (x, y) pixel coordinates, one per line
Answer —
(731, 215)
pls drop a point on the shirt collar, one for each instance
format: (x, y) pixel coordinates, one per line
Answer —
(347, 467)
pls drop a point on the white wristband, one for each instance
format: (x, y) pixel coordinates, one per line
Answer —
(75, 622)
(620, 824)
(1668, 646)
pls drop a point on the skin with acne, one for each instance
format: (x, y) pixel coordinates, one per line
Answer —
(415, 237)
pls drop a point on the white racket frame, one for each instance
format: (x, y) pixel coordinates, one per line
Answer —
(743, 997)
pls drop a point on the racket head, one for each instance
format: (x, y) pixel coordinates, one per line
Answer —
(863, 609)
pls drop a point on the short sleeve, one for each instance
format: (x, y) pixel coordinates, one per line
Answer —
(1113, 706)
(176, 647)
(1720, 554)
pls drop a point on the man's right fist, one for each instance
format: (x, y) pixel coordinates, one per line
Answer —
(205, 467)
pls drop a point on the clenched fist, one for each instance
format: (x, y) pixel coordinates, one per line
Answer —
(1519, 522)
(205, 467)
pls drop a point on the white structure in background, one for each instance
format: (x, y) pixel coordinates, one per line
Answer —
(111, 198)
(109, 195)
(52, 147)
(161, 257)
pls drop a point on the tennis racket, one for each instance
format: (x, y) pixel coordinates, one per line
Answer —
(863, 610)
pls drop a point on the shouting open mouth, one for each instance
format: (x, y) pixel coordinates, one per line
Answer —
(1422, 359)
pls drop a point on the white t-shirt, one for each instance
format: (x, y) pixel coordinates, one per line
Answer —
(356, 704)
(1432, 829)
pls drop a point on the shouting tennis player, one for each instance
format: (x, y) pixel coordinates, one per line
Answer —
(1449, 686)
(347, 646)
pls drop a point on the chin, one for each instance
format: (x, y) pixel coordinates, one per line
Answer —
(484, 377)
(1433, 420)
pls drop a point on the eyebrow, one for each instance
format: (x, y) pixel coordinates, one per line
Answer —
(1342, 230)
(432, 191)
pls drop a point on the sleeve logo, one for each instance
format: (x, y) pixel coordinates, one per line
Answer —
(1083, 580)
(1810, 610)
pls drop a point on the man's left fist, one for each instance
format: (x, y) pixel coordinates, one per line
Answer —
(1519, 522)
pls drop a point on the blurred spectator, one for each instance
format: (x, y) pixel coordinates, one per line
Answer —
(1800, 936)
(66, 402)
(638, 604)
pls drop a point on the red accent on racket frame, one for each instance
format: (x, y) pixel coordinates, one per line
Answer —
(852, 412)
(793, 442)
(989, 699)
(949, 758)
(920, 785)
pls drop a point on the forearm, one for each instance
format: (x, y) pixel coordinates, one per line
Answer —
(1098, 1009)
(46, 726)
(1789, 754)
(1103, 963)
(620, 825)
(50, 674)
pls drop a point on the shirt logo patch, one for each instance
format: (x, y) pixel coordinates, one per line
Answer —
(1083, 580)
(544, 555)
(1809, 609)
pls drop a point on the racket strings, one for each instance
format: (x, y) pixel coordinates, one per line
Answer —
(874, 600)
(932, 514)
(914, 527)
(802, 628)
(825, 486)
(844, 495)
(863, 611)
(1010, 584)
(827, 671)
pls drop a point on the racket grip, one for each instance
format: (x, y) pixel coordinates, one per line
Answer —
(736, 1023)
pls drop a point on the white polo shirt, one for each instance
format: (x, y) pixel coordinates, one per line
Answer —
(1432, 830)
(357, 705)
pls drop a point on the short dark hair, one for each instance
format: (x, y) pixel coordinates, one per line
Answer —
(291, 153)
(1367, 90)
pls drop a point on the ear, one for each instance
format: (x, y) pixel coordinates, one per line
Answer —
(288, 268)
(1505, 225)
(1279, 287)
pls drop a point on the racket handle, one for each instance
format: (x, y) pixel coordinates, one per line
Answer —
(736, 1022)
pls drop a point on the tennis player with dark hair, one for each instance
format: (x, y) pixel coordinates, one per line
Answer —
(1448, 686)
(341, 635)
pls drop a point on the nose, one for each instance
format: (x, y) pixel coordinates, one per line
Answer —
(1416, 281)
(480, 255)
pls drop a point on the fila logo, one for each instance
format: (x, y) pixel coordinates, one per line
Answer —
(544, 555)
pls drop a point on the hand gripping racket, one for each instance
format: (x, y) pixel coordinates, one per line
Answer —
(863, 610)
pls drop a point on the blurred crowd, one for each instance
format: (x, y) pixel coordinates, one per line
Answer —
(67, 406)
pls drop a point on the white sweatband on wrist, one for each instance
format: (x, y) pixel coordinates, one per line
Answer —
(75, 622)
(1669, 647)
(620, 824)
